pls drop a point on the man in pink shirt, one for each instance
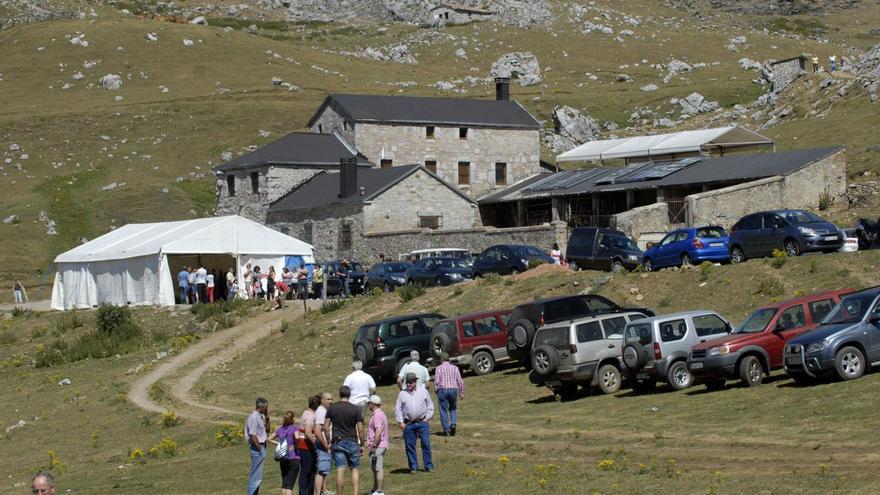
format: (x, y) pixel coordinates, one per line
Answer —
(377, 442)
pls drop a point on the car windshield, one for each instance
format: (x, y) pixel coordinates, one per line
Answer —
(756, 322)
(850, 310)
(526, 251)
(711, 233)
(796, 217)
(620, 242)
(449, 263)
(396, 267)
(554, 337)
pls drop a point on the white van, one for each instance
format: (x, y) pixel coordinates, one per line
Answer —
(418, 254)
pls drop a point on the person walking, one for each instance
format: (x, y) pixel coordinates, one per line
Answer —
(450, 388)
(209, 282)
(342, 273)
(556, 254)
(413, 410)
(318, 281)
(249, 280)
(347, 421)
(832, 61)
(377, 443)
(416, 368)
(255, 433)
(361, 384)
(202, 284)
(302, 279)
(307, 447)
(183, 284)
(191, 286)
(815, 61)
(290, 434)
(322, 446)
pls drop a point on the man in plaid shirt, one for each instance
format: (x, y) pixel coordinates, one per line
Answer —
(450, 388)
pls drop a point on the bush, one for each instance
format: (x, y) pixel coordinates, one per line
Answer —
(376, 292)
(111, 318)
(457, 292)
(705, 270)
(165, 448)
(170, 419)
(536, 262)
(490, 279)
(229, 434)
(68, 320)
(779, 258)
(825, 200)
(770, 286)
(285, 326)
(20, 311)
(332, 305)
(409, 292)
(50, 355)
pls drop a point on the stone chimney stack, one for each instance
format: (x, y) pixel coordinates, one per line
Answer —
(347, 177)
(502, 88)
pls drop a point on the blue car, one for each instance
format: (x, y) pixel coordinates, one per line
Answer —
(688, 246)
(792, 231)
(846, 343)
(438, 272)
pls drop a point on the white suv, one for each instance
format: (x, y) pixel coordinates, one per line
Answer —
(585, 351)
(657, 348)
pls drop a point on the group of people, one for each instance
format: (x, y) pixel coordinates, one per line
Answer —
(329, 433)
(199, 285)
(832, 63)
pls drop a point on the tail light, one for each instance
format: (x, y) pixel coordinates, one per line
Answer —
(697, 243)
(541, 320)
(657, 355)
(379, 344)
(572, 348)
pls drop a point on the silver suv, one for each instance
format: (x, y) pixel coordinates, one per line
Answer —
(657, 348)
(585, 351)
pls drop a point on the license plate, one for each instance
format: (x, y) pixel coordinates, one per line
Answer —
(716, 244)
(830, 237)
(695, 366)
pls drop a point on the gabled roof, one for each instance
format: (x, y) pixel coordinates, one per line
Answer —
(463, 8)
(420, 110)
(323, 189)
(665, 144)
(297, 149)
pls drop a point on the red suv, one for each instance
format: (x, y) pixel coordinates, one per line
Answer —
(755, 347)
(476, 340)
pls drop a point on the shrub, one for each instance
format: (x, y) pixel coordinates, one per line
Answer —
(770, 286)
(285, 326)
(170, 419)
(229, 434)
(536, 262)
(136, 455)
(779, 258)
(55, 463)
(665, 302)
(165, 448)
(68, 320)
(457, 292)
(825, 200)
(409, 292)
(50, 355)
(490, 279)
(813, 266)
(20, 311)
(332, 305)
(110, 319)
(705, 270)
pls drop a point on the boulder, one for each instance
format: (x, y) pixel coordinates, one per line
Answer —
(111, 82)
(400, 54)
(749, 64)
(649, 87)
(521, 66)
(444, 85)
(199, 20)
(571, 128)
(460, 53)
(151, 37)
(187, 42)
(78, 76)
(696, 103)
(624, 78)
(11, 219)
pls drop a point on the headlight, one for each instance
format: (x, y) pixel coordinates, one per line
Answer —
(398, 279)
(525, 262)
(633, 257)
(717, 351)
(807, 231)
(816, 347)
(454, 275)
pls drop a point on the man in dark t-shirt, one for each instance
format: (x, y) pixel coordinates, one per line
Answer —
(347, 421)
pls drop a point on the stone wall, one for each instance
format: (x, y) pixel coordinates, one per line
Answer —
(642, 220)
(406, 144)
(453, 17)
(419, 194)
(326, 228)
(785, 73)
(274, 182)
(331, 120)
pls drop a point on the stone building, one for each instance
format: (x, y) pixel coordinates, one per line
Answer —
(784, 72)
(451, 13)
(336, 211)
(248, 184)
(477, 145)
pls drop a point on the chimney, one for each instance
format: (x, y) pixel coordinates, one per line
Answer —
(502, 88)
(347, 177)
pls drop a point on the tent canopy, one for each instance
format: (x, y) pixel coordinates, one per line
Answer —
(218, 235)
(665, 144)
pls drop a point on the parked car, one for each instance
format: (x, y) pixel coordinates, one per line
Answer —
(867, 232)
(846, 343)
(585, 351)
(755, 347)
(383, 346)
(418, 254)
(505, 259)
(387, 275)
(688, 246)
(657, 348)
(850, 241)
(356, 277)
(601, 249)
(792, 231)
(529, 316)
(475, 340)
(438, 272)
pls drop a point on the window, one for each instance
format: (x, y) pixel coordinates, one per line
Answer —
(431, 165)
(500, 174)
(614, 325)
(344, 125)
(463, 133)
(487, 325)
(255, 182)
(820, 309)
(682, 236)
(554, 337)
(320, 129)
(345, 242)
(307, 233)
(230, 185)
(672, 330)
(385, 163)
(711, 233)
(669, 239)
(792, 317)
(464, 173)
(429, 221)
(403, 329)
(588, 332)
(429, 132)
(468, 329)
(751, 222)
(564, 309)
(709, 325)
(640, 332)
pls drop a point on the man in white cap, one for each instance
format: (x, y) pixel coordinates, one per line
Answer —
(413, 366)
(377, 443)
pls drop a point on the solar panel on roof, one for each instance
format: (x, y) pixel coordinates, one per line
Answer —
(619, 175)
(565, 180)
(659, 170)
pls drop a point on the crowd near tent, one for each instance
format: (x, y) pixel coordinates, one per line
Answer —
(137, 264)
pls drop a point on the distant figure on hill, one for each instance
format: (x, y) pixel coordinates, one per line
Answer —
(302, 278)
(815, 63)
(832, 61)
(230, 282)
(249, 280)
(19, 292)
(43, 484)
(183, 285)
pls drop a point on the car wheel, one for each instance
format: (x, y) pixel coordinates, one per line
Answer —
(609, 379)
(522, 332)
(644, 386)
(364, 354)
(616, 266)
(574, 266)
(750, 371)
(649, 265)
(545, 360)
(678, 376)
(483, 363)
(849, 363)
(714, 385)
(737, 255)
(686, 261)
(791, 247)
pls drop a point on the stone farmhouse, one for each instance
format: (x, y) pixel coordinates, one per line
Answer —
(451, 13)
(478, 145)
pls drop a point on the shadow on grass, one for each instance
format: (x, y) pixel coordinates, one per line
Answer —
(401, 471)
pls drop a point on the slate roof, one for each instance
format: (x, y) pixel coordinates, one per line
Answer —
(296, 149)
(727, 169)
(323, 189)
(419, 110)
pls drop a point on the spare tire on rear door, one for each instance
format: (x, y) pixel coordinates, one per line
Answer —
(634, 356)
(545, 360)
(364, 353)
(522, 332)
(439, 344)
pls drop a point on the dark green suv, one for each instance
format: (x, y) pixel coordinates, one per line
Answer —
(384, 346)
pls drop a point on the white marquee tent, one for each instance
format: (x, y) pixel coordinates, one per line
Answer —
(137, 263)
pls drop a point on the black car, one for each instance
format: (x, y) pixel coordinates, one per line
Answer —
(356, 277)
(383, 346)
(792, 231)
(386, 276)
(438, 271)
(601, 249)
(526, 318)
(505, 259)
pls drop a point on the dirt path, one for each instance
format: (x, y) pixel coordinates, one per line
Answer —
(214, 350)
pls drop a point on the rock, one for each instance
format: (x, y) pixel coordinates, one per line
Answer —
(639, 297)
(11, 219)
(78, 76)
(187, 42)
(827, 82)
(444, 85)
(226, 156)
(460, 53)
(749, 64)
(633, 290)
(572, 128)
(151, 37)
(163, 89)
(400, 54)
(117, 98)
(664, 122)
(111, 82)
(165, 190)
(276, 81)
(735, 42)
(65, 381)
(624, 78)
(110, 187)
(520, 66)
(253, 29)
(696, 103)
(264, 133)
(677, 66)
(649, 87)
(199, 20)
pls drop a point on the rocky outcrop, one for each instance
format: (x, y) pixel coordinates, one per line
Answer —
(696, 103)
(867, 71)
(571, 128)
(520, 66)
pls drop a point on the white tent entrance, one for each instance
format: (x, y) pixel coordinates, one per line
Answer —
(218, 264)
(137, 264)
